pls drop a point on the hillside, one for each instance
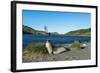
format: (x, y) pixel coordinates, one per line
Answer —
(29, 30)
(83, 32)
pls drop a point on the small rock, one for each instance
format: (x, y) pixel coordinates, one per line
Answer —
(83, 46)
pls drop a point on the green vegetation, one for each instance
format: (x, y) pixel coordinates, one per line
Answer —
(29, 30)
(76, 44)
(80, 32)
(35, 50)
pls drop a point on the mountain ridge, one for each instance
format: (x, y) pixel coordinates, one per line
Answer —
(79, 32)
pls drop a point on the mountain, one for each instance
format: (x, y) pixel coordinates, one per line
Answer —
(29, 30)
(80, 32)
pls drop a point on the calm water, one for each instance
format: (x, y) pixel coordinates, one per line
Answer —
(28, 38)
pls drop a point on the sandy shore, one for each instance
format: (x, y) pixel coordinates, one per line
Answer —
(73, 54)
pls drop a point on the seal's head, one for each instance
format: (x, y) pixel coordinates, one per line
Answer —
(48, 40)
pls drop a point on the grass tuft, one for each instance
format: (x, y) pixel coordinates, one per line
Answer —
(35, 49)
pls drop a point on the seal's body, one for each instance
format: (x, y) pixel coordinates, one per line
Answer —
(49, 47)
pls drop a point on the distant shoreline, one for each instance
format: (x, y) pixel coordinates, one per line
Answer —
(54, 35)
(77, 32)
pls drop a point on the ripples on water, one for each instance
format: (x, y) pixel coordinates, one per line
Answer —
(29, 38)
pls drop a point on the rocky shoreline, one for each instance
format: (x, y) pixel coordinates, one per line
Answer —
(72, 54)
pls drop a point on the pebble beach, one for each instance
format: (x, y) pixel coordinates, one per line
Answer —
(72, 54)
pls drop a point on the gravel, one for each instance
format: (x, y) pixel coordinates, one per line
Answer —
(73, 54)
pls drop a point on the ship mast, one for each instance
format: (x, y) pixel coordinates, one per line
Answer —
(45, 29)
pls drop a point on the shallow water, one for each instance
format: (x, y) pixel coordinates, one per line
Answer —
(60, 39)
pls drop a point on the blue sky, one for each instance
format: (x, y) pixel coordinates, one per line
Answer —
(60, 22)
